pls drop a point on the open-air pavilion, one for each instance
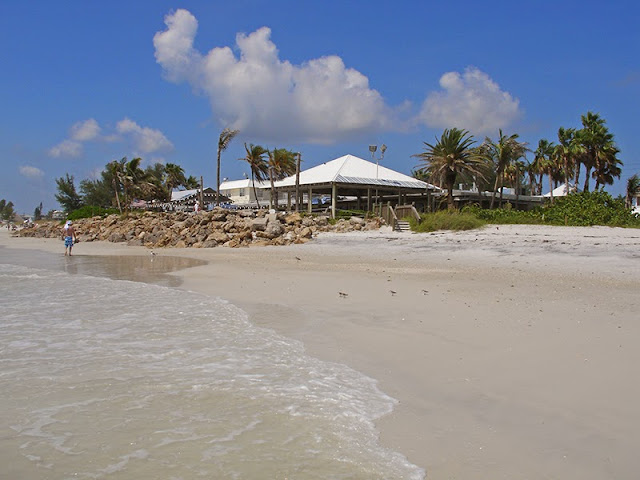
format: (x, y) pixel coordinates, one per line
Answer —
(367, 183)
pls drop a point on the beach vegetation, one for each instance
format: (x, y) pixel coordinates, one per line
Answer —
(256, 158)
(446, 220)
(6, 210)
(281, 163)
(90, 211)
(578, 209)
(224, 140)
(501, 155)
(67, 196)
(451, 156)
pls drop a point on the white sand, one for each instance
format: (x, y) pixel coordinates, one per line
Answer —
(512, 350)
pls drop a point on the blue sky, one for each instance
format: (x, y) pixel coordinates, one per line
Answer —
(84, 83)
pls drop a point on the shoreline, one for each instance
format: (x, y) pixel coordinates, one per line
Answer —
(511, 350)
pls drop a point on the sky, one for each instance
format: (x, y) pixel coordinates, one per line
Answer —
(84, 83)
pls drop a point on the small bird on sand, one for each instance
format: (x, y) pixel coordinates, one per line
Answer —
(424, 292)
(343, 295)
(152, 253)
(298, 258)
(393, 292)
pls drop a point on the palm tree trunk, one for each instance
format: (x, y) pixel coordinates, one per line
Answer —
(501, 188)
(586, 180)
(577, 174)
(450, 204)
(273, 189)
(255, 192)
(493, 194)
(115, 189)
(550, 185)
(566, 176)
(218, 180)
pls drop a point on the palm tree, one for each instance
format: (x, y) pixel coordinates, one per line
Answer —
(223, 142)
(544, 159)
(281, 163)
(258, 165)
(633, 189)
(451, 155)
(607, 167)
(596, 142)
(502, 153)
(567, 151)
(174, 177)
(116, 170)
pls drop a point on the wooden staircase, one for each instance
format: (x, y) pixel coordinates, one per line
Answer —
(402, 226)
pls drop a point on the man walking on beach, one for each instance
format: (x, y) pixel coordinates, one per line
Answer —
(69, 236)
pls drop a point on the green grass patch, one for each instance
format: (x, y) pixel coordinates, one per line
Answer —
(445, 220)
(89, 211)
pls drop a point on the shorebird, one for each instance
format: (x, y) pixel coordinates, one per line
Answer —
(393, 292)
(343, 295)
(152, 253)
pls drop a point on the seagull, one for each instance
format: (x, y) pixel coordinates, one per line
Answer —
(393, 292)
(343, 295)
(424, 292)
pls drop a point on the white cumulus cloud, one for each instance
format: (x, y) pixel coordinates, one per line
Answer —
(66, 148)
(85, 130)
(31, 172)
(144, 139)
(472, 101)
(320, 100)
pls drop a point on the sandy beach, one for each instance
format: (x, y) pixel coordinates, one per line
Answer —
(512, 350)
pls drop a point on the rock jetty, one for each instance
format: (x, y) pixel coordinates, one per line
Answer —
(219, 227)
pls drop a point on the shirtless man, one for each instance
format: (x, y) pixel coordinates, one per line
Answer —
(69, 236)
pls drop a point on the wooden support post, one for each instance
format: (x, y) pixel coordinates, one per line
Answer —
(334, 199)
(309, 203)
(369, 200)
(298, 182)
(289, 200)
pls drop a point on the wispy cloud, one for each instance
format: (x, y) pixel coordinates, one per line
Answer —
(472, 101)
(66, 148)
(321, 100)
(137, 138)
(31, 172)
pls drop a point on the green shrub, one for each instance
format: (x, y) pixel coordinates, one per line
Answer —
(445, 220)
(577, 209)
(89, 211)
(590, 208)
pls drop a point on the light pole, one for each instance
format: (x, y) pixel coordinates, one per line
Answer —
(372, 149)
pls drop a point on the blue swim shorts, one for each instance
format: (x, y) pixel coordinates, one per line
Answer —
(68, 242)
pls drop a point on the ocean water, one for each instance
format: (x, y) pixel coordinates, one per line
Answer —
(103, 378)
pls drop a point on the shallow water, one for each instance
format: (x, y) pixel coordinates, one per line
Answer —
(106, 378)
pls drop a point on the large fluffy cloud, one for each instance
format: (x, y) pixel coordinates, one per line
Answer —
(472, 101)
(319, 101)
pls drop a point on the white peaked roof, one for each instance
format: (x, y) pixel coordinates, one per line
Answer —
(177, 195)
(242, 183)
(353, 170)
(561, 191)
